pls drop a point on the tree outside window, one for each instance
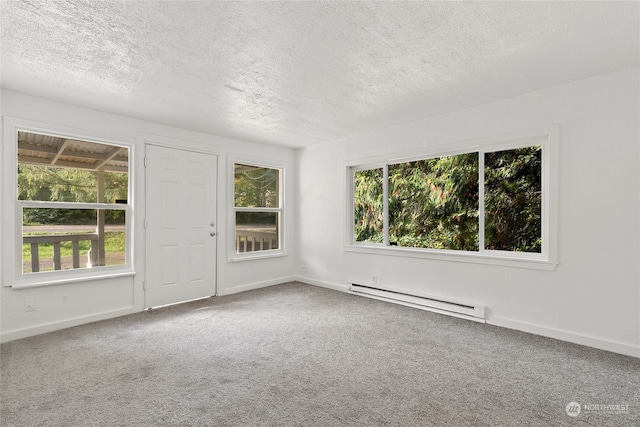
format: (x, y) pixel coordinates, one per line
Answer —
(434, 203)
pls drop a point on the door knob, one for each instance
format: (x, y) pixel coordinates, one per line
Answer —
(213, 233)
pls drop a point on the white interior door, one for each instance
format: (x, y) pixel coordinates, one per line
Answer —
(180, 225)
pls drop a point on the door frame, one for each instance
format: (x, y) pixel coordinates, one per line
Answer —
(141, 232)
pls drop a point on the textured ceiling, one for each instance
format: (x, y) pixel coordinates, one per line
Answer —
(298, 73)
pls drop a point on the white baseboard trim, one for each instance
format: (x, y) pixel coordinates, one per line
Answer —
(64, 324)
(590, 341)
(334, 286)
(255, 285)
(586, 340)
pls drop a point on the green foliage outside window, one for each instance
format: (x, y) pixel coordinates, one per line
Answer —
(68, 184)
(51, 184)
(256, 187)
(434, 203)
(368, 208)
(513, 200)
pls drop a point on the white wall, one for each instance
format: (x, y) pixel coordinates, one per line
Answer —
(65, 305)
(593, 296)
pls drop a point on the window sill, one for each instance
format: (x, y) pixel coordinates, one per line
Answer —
(54, 279)
(530, 262)
(252, 256)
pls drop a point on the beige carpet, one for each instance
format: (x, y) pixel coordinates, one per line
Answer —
(297, 355)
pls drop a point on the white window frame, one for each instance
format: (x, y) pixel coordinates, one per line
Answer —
(12, 209)
(546, 137)
(232, 256)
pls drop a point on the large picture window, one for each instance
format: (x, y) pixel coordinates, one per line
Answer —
(486, 201)
(257, 206)
(72, 198)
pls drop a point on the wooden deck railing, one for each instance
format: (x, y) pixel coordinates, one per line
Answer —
(252, 241)
(75, 240)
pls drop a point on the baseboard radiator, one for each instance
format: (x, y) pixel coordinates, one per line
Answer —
(467, 311)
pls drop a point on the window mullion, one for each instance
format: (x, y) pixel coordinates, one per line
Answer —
(481, 246)
(243, 209)
(385, 204)
(544, 231)
(70, 205)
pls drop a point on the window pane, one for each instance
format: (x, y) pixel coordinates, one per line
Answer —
(116, 187)
(52, 168)
(433, 203)
(368, 206)
(64, 239)
(57, 184)
(48, 184)
(256, 187)
(513, 200)
(256, 231)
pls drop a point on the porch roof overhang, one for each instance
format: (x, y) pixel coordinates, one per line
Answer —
(54, 151)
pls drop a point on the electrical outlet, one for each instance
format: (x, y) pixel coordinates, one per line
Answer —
(29, 305)
(374, 279)
(304, 268)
